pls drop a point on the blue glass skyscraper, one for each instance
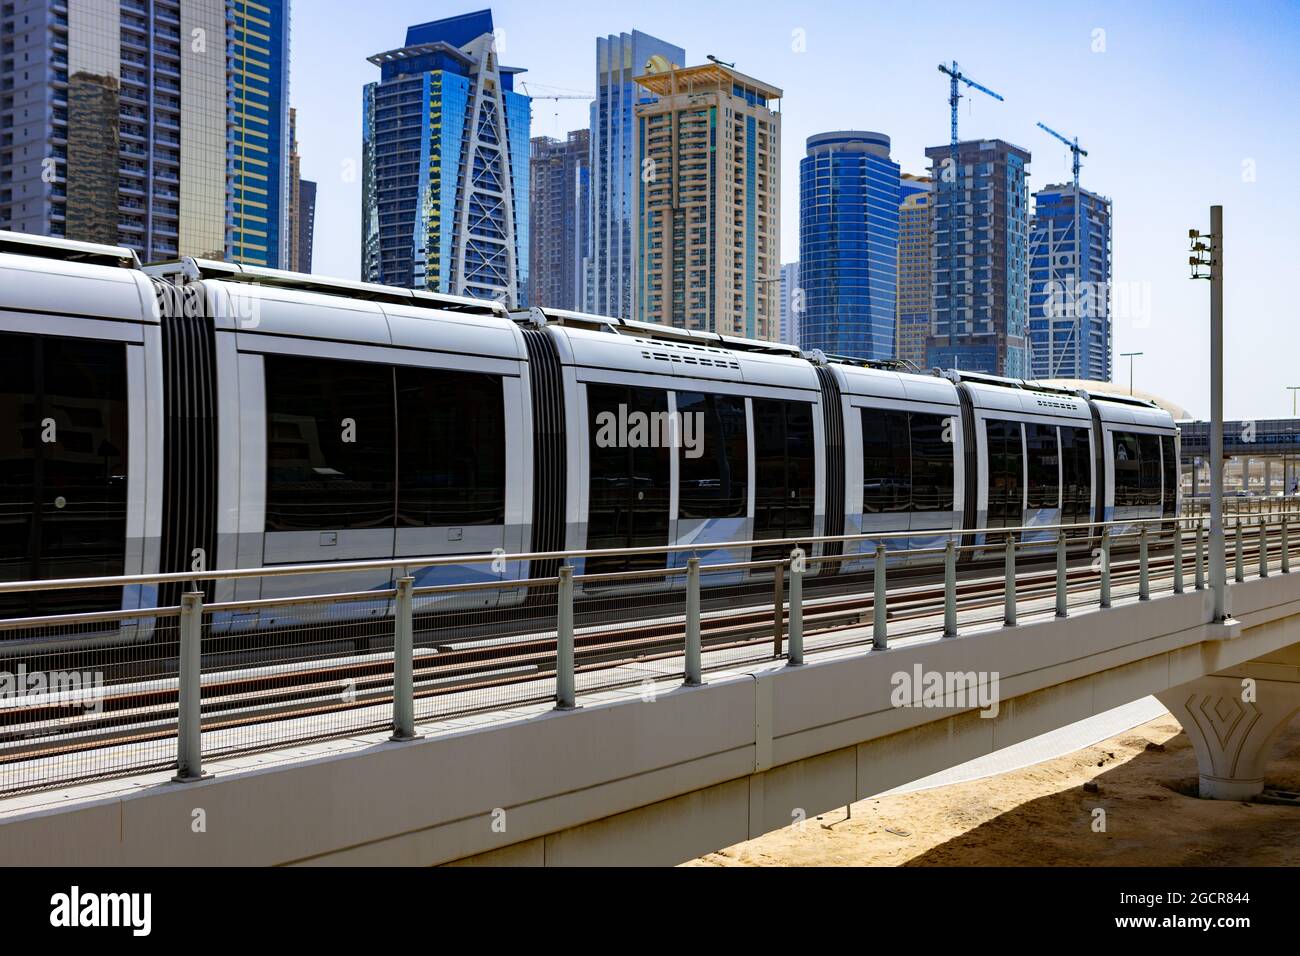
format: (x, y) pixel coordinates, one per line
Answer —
(445, 178)
(848, 244)
(1069, 300)
(619, 58)
(980, 218)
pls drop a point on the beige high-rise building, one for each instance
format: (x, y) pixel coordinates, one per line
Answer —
(706, 201)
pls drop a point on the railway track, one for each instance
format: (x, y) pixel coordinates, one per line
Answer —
(244, 698)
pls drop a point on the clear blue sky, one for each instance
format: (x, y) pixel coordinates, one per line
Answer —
(1189, 103)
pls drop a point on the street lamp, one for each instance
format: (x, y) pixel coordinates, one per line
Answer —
(1130, 356)
(1293, 389)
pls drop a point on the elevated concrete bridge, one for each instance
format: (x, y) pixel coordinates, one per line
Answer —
(657, 773)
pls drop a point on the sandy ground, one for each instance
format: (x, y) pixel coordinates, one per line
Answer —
(1042, 815)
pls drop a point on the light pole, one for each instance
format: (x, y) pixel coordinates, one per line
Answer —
(1207, 263)
(1293, 389)
(1130, 356)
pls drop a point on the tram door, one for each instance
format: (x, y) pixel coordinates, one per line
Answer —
(63, 469)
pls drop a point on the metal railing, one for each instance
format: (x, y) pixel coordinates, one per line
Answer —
(102, 694)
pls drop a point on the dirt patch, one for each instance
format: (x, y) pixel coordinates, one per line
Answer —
(1142, 811)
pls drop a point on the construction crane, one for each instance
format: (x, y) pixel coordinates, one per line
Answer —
(1075, 152)
(956, 76)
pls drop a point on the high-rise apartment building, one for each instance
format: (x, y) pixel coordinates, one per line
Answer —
(619, 59)
(913, 309)
(979, 317)
(306, 225)
(848, 244)
(559, 197)
(707, 202)
(159, 125)
(445, 168)
(791, 304)
(1069, 295)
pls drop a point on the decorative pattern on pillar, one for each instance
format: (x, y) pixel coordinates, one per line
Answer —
(1232, 737)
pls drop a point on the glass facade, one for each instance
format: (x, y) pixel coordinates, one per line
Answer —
(613, 162)
(445, 187)
(160, 125)
(980, 266)
(1069, 295)
(559, 194)
(913, 302)
(848, 245)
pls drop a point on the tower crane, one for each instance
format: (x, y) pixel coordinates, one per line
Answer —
(1075, 152)
(956, 77)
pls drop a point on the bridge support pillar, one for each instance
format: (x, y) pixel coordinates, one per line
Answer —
(1234, 717)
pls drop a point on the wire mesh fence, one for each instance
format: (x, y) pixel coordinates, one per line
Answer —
(92, 695)
(86, 696)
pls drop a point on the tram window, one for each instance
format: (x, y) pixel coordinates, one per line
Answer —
(628, 449)
(63, 468)
(1005, 475)
(451, 448)
(715, 475)
(1076, 467)
(1043, 489)
(1128, 470)
(886, 461)
(330, 444)
(932, 468)
(1149, 446)
(1172, 475)
(785, 475)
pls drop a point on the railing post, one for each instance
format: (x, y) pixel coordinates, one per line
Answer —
(1178, 557)
(1200, 556)
(693, 621)
(1241, 555)
(778, 602)
(1009, 615)
(1263, 549)
(1286, 547)
(1062, 587)
(794, 657)
(189, 690)
(950, 589)
(1105, 567)
(1144, 569)
(565, 694)
(403, 661)
(879, 626)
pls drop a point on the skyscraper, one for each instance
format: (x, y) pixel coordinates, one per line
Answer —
(791, 304)
(708, 221)
(848, 244)
(1069, 317)
(159, 126)
(913, 308)
(980, 286)
(306, 225)
(559, 196)
(619, 58)
(445, 168)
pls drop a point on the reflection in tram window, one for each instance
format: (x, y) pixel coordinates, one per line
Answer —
(1128, 470)
(1044, 461)
(63, 468)
(932, 461)
(886, 462)
(330, 449)
(1076, 469)
(451, 448)
(1006, 470)
(630, 475)
(1171, 476)
(715, 482)
(1149, 446)
(785, 473)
